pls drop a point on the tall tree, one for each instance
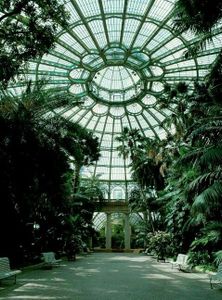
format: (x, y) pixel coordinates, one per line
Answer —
(194, 208)
(36, 181)
(196, 15)
(27, 31)
(201, 17)
(85, 152)
(146, 166)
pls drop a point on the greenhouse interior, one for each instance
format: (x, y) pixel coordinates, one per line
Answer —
(111, 139)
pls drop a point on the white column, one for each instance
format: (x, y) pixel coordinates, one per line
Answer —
(108, 231)
(127, 232)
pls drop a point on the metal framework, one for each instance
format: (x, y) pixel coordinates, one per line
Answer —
(116, 56)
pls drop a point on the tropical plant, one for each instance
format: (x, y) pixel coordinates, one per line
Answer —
(191, 201)
(27, 31)
(160, 244)
(218, 257)
(35, 189)
(93, 189)
(201, 17)
(199, 258)
(195, 178)
(146, 158)
(148, 166)
(85, 152)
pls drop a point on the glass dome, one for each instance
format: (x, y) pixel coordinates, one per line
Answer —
(115, 84)
(116, 56)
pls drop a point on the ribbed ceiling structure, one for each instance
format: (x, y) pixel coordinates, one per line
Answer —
(115, 57)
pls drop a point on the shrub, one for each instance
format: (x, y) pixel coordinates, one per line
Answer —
(161, 244)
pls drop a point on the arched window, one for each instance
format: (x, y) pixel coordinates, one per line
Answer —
(117, 194)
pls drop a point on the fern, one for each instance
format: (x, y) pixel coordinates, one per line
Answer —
(203, 181)
(209, 198)
(218, 257)
(212, 156)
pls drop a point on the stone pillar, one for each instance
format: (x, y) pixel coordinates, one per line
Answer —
(108, 231)
(127, 232)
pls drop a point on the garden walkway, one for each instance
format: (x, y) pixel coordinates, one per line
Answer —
(110, 276)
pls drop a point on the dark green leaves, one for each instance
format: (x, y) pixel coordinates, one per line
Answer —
(27, 31)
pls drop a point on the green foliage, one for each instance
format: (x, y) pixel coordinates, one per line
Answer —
(27, 31)
(218, 257)
(197, 258)
(35, 189)
(192, 198)
(117, 236)
(160, 244)
(191, 202)
(85, 152)
(209, 200)
(131, 142)
(146, 159)
(139, 236)
(146, 171)
(210, 237)
(198, 16)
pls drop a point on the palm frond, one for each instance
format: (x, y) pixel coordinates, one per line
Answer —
(208, 132)
(214, 76)
(214, 225)
(200, 45)
(211, 156)
(191, 156)
(211, 234)
(209, 198)
(197, 16)
(192, 221)
(218, 257)
(203, 181)
(200, 125)
(210, 237)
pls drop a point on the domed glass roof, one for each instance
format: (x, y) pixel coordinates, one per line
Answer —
(115, 57)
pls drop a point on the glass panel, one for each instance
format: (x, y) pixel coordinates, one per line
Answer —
(108, 75)
(160, 9)
(117, 111)
(98, 31)
(100, 109)
(114, 28)
(113, 6)
(150, 118)
(73, 14)
(89, 8)
(134, 108)
(129, 32)
(137, 7)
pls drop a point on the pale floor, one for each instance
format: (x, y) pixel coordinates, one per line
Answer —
(110, 276)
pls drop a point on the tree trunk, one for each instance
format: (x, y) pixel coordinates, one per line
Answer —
(149, 217)
(76, 178)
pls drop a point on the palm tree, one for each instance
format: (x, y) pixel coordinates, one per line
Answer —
(35, 150)
(198, 16)
(85, 150)
(192, 199)
(200, 161)
(28, 31)
(131, 141)
(206, 155)
(146, 165)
